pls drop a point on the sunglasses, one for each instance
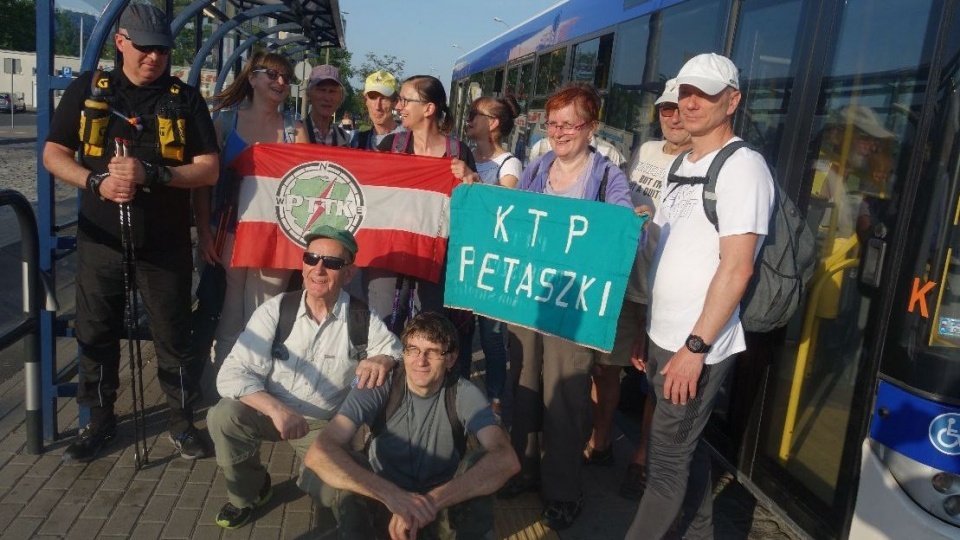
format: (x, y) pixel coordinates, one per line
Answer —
(147, 49)
(667, 111)
(330, 263)
(273, 75)
(473, 113)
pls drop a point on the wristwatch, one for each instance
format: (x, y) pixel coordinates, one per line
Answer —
(695, 344)
(93, 183)
(157, 175)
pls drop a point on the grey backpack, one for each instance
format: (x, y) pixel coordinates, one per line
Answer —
(786, 260)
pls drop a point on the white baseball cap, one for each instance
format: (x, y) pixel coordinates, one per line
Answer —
(710, 73)
(671, 93)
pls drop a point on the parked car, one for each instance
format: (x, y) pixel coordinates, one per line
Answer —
(16, 100)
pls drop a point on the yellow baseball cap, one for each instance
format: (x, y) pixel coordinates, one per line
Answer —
(382, 82)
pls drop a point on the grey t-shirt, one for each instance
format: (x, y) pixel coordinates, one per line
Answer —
(415, 450)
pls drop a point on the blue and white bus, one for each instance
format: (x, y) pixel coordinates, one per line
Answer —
(848, 422)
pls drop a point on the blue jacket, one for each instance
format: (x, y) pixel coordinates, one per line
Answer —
(617, 190)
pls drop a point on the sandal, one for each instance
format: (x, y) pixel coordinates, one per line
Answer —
(635, 482)
(559, 515)
(592, 456)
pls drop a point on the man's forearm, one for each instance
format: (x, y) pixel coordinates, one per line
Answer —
(726, 290)
(485, 477)
(203, 171)
(334, 465)
(62, 164)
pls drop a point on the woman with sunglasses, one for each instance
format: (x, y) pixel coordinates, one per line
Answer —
(572, 169)
(490, 121)
(422, 104)
(248, 113)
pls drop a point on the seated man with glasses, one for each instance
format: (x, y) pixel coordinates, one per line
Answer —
(418, 474)
(291, 369)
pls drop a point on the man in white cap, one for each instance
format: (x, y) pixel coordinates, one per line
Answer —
(699, 275)
(326, 94)
(380, 96)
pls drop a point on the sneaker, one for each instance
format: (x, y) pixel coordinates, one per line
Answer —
(231, 517)
(519, 484)
(189, 444)
(559, 515)
(91, 441)
(634, 483)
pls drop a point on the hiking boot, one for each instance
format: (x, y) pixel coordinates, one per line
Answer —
(635, 482)
(559, 515)
(189, 443)
(231, 517)
(90, 442)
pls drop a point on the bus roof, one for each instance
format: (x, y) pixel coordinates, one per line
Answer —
(565, 21)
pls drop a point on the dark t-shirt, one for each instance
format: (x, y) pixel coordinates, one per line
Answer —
(386, 145)
(160, 216)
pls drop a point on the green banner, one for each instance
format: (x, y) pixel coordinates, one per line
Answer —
(553, 264)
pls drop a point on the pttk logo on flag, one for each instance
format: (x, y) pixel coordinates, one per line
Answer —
(397, 205)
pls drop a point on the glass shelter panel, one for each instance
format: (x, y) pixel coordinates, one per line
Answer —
(862, 141)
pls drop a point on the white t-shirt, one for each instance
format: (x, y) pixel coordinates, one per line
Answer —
(648, 175)
(506, 163)
(688, 253)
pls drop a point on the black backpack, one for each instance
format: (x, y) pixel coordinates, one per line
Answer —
(786, 260)
(358, 325)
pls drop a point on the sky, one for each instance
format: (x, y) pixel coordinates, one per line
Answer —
(421, 32)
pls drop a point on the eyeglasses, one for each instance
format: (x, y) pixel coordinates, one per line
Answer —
(147, 49)
(565, 128)
(431, 354)
(474, 113)
(273, 75)
(667, 111)
(402, 101)
(330, 263)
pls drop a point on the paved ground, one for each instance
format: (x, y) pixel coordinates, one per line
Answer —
(43, 497)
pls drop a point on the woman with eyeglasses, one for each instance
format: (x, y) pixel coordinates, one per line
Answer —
(572, 169)
(490, 120)
(247, 112)
(422, 105)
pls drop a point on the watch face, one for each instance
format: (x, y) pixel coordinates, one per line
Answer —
(696, 344)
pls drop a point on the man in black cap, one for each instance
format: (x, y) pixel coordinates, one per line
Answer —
(145, 139)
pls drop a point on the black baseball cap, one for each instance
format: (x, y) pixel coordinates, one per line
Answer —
(146, 25)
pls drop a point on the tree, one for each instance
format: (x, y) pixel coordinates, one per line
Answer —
(386, 62)
(18, 25)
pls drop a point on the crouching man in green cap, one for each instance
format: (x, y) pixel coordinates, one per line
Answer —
(290, 370)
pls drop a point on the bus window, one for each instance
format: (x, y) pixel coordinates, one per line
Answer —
(524, 85)
(550, 73)
(862, 139)
(591, 61)
(764, 48)
(492, 82)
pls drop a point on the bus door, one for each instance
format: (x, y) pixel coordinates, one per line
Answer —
(862, 148)
(519, 82)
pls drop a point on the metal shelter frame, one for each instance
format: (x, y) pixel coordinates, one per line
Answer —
(313, 25)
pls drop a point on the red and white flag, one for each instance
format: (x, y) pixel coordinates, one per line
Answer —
(397, 205)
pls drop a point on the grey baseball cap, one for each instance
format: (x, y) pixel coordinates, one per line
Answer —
(146, 25)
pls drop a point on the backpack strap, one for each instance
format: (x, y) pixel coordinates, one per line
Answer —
(400, 142)
(364, 138)
(398, 387)
(504, 162)
(358, 326)
(289, 304)
(710, 186)
(450, 401)
(310, 133)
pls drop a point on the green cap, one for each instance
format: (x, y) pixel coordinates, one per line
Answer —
(345, 237)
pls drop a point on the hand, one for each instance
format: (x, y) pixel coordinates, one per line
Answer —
(681, 375)
(415, 510)
(289, 423)
(637, 352)
(399, 529)
(373, 372)
(207, 245)
(128, 168)
(117, 190)
(643, 210)
(463, 173)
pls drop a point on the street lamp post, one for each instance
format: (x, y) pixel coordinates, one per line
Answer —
(501, 21)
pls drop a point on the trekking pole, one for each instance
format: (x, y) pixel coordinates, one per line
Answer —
(132, 324)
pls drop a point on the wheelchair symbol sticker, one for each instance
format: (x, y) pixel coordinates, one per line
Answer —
(945, 433)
